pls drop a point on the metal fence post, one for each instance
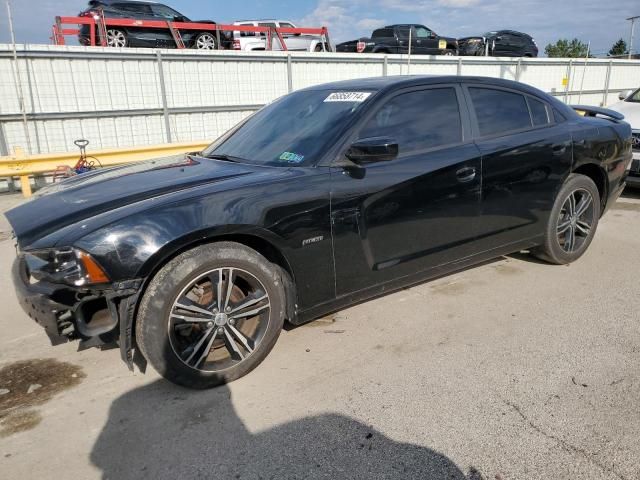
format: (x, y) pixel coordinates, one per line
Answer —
(289, 73)
(163, 94)
(385, 66)
(4, 148)
(459, 69)
(605, 97)
(518, 69)
(568, 77)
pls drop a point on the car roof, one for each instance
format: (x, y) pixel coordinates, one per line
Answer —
(142, 2)
(394, 82)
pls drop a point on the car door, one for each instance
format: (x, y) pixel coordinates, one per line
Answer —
(403, 38)
(499, 45)
(526, 156)
(275, 41)
(416, 212)
(425, 41)
(140, 37)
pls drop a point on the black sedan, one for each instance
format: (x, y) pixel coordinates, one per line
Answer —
(326, 197)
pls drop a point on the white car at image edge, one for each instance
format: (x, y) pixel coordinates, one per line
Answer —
(629, 106)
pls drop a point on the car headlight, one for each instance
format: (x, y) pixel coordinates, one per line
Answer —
(70, 266)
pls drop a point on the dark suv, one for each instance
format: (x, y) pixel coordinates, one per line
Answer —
(503, 43)
(146, 37)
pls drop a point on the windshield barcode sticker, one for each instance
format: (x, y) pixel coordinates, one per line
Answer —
(348, 97)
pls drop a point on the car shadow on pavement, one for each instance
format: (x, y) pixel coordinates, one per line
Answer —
(162, 431)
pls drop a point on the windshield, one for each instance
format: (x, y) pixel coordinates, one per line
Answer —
(294, 130)
(634, 97)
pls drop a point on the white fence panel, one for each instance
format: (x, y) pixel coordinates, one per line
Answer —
(121, 98)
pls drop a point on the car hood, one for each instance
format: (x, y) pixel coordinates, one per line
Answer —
(631, 112)
(99, 191)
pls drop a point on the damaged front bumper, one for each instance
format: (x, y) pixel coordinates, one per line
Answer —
(94, 316)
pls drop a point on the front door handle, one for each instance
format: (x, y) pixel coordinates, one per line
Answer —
(466, 174)
(559, 149)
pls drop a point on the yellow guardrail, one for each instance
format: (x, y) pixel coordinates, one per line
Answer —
(21, 165)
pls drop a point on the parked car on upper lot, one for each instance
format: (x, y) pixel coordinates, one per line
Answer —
(395, 39)
(629, 106)
(146, 37)
(326, 197)
(502, 43)
(252, 41)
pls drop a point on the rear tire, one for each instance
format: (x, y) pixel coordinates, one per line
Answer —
(196, 323)
(572, 223)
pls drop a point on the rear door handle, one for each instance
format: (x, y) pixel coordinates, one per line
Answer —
(466, 174)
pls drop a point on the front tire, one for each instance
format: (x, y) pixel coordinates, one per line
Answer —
(205, 41)
(117, 38)
(211, 315)
(573, 221)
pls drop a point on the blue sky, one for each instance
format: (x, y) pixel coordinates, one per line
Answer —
(598, 21)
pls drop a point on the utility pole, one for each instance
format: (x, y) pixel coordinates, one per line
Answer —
(633, 21)
(18, 80)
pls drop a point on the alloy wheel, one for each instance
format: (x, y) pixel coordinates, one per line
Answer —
(576, 220)
(116, 38)
(219, 319)
(206, 42)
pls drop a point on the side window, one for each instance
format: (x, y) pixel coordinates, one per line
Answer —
(248, 34)
(558, 117)
(404, 31)
(499, 111)
(165, 12)
(418, 120)
(134, 8)
(538, 112)
(382, 33)
(266, 24)
(286, 25)
(422, 32)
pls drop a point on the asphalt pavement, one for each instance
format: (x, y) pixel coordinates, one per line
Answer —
(511, 370)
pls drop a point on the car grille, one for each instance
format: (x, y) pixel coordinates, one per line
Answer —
(636, 141)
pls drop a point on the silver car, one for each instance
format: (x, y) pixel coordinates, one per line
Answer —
(252, 41)
(629, 106)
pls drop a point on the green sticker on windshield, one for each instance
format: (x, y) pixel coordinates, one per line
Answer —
(291, 157)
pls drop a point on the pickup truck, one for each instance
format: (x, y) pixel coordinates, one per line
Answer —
(395, 39)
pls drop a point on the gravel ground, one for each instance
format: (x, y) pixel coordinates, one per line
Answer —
(511, 370)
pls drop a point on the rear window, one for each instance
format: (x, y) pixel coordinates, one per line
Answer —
(382, 33)
(499, 111)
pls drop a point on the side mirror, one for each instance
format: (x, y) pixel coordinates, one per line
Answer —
(371, 150)
(498, 38)
(625, 94)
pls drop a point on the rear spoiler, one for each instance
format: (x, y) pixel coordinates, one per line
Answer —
(589, 111)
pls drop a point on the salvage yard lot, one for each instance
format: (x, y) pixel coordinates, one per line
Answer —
(514, 369)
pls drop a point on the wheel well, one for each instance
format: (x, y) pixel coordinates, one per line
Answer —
(599, 177)
(263, 247)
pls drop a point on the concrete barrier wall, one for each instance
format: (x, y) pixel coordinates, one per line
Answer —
(141, 97)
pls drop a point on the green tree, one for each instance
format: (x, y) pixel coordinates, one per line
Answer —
(619, 48)
(564, 48)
